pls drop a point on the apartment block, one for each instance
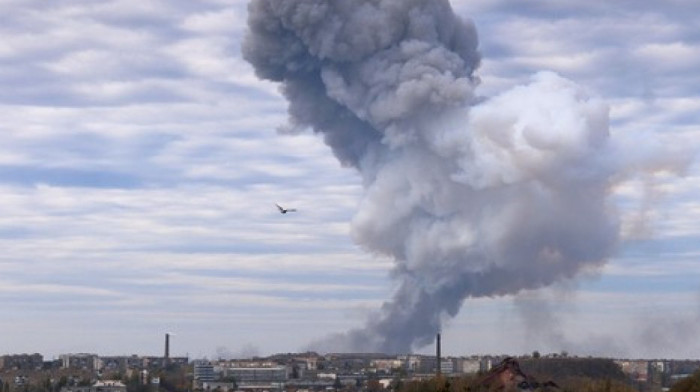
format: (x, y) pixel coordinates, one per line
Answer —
(22, 362)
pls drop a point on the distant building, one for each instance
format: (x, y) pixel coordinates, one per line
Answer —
(122, 363)
(109, 386)
(75, 388)
(154, 362)
(112, 364)
(20, 380)
(100, 386)
(244, 375)
(203, 373)
(447, 366)
(134, 362)
(486, 364)
(311, 362)
(144, 377)
(386, 365)
(637, 370)
(219, 386)
(468, 365)
(22, 362)
(178, 361)
(326, 376)
(80, 361)
(427, 364)
(411, 363)
(683, 367)
(254, 378)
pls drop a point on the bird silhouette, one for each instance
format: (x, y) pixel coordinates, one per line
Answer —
(285, 210)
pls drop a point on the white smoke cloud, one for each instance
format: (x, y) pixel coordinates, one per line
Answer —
(470, 197)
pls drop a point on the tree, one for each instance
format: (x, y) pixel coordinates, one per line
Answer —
(337, 384)
(48, 386)
(62, 382)
(134, 384)
(84, 382)
(374, 386)
(174, 379)
(688, 384)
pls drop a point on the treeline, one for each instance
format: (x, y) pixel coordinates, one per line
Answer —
(568, 374)
(564, 368)
(472, 384)
(172, 379)
(688, 384)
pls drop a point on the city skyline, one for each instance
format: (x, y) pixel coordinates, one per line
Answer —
(141, 162)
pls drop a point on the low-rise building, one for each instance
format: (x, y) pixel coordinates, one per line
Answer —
(469, 365)
(99, 386)
(386, 365)
(255, 378)
(219, 386)
(259, 374)
(20, 381)
(76, 388)
(109, 386)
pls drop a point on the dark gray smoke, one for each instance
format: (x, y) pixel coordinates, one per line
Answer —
(470, 198)
(359, 71)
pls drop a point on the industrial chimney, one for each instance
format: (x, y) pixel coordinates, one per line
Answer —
(438, 365)
(167, 348)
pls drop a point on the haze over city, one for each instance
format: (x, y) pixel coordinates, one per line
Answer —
(142, 159)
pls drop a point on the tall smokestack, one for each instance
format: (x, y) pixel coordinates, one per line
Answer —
(167, 348)
(438, 371)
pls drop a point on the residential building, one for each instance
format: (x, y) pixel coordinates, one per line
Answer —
(80, 361)
(112, 364)
(22, 362)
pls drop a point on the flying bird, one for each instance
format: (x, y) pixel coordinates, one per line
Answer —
(285, 210)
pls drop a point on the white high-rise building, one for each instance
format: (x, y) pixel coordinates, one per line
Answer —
(203, 372)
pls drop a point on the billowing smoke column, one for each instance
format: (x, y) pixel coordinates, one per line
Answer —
(471, 198)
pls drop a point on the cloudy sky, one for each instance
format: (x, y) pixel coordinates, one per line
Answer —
(140, 164)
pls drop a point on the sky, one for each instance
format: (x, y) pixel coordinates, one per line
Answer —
(141, 160)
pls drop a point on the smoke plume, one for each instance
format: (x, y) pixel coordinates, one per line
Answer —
(543, 314)
(471, 197)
